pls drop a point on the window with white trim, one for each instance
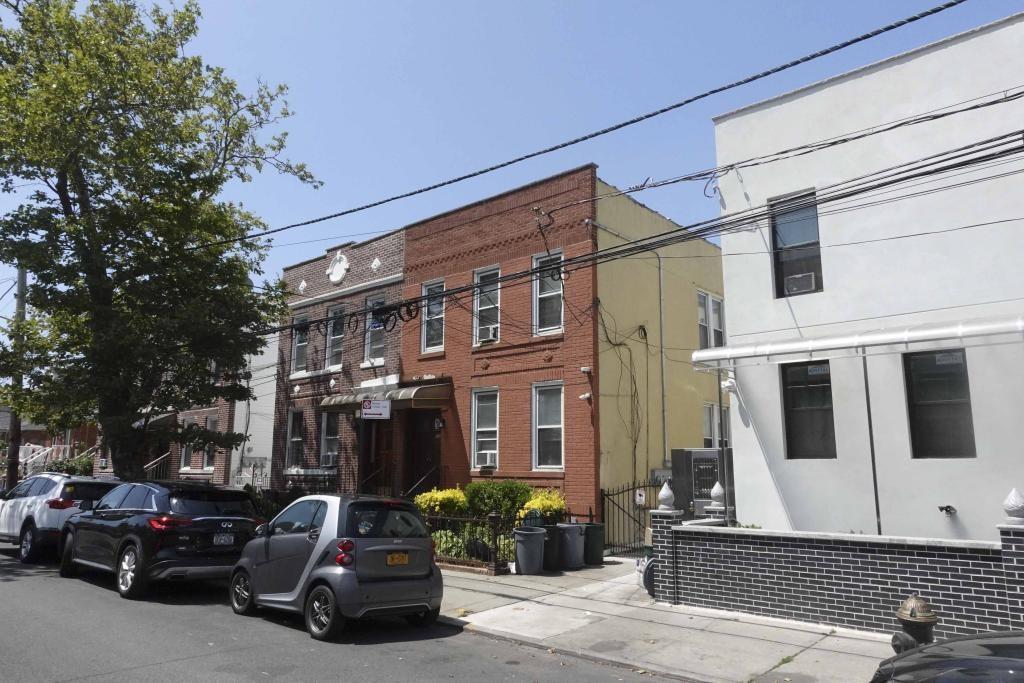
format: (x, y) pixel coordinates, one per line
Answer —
(433, 317)
(712, 425)
(335, 336)
(186, 448)
(547, 426)
(710, 321)
(547, 294)
(296, 441)
(486, 301)
(485, 428)
(329, 441)
(300, 342)
(376, 335)
(210, 454)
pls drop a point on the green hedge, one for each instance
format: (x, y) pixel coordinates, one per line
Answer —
(504, 497)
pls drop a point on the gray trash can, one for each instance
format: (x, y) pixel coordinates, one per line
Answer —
(572, 545)
(529, 549)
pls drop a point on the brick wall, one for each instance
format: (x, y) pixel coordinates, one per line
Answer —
(842, 579)
(504, 231)
(193, 467)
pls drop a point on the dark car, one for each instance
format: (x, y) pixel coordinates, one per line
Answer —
(334, 558)
(151, 531)
(996, 656)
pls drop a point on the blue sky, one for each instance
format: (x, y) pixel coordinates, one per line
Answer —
(392, 96)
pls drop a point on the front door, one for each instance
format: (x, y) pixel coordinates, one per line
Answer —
(422, 452)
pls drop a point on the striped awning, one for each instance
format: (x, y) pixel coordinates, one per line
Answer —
(423, 396)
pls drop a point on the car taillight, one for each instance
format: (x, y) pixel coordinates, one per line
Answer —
(346, 545)
(344, 559)
(60, 503)
(165, 523)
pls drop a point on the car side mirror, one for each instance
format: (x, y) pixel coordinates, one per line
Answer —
(263, 530)
(85, 505)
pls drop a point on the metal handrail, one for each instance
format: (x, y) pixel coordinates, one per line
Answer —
(414, 486)
(371, 475)
(157, 461)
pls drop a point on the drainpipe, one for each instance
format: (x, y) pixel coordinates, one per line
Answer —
(661, 346)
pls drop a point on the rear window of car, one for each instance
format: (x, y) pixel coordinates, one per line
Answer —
(380, 520)
(86, 490)
(212, 503)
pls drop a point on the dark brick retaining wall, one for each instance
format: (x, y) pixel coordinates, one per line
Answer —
(841, 579)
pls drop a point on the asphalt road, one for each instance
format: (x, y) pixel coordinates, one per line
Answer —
(54, 629)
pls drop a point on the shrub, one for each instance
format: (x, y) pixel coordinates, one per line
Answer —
(504, 497)
(444, 503)
(550, 503)
(449, 544)
(79, 465)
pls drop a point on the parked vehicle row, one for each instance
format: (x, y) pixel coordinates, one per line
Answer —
(329, 557)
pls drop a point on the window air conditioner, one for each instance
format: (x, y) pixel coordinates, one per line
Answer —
(799, 284)
(488, 334)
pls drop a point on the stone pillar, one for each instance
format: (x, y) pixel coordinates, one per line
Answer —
(662, 538)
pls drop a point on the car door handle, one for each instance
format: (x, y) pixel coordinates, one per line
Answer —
(313, 536)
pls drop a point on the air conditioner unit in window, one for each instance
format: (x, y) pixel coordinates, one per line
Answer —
(799, 284)
(488, 334)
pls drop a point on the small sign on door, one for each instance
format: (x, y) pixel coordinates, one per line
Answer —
(376, 410)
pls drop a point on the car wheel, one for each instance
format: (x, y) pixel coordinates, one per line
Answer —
(68, 568)
(322, 618)
(131, 582)
(28, 544)
(243, 600)
(426, 618)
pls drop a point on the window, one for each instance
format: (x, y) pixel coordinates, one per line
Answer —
(485, 428)
(112, 500)
(335, 336)
(186, 448)
(21, 490)
(547, 294)
(297, 519)
(210, 453)
(294, 455)
(795, 246)
(40, 487)
(710, 321)
(807, 398)
(213, 503)
(136, 500)
(939, 404)
(712, 426)
(374, 520)
(300, 342)
(319, 517)
(486, 314)
(376, 341)
(547, 423)
(329, 439)
(433, 317)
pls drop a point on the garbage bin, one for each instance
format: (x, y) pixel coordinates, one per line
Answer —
(571, 552)
(529, 549)
(552, 548)
(593, 543)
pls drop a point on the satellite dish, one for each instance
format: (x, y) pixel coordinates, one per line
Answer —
(338, 268)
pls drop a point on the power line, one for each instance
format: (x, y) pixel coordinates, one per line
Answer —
(604, 131)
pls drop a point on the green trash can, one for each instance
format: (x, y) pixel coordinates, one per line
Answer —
(593, 543)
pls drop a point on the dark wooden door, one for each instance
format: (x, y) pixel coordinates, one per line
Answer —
(422, 452)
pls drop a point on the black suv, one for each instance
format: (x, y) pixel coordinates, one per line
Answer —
(149, 531)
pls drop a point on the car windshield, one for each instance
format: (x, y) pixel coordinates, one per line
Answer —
(86, 490)
(200, 503)
(380, 520)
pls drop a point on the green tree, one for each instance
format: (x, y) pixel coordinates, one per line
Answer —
(127, 141)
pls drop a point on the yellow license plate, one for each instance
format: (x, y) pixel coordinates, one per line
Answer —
(396, 559)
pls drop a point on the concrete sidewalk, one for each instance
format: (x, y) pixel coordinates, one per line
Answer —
(601, 613)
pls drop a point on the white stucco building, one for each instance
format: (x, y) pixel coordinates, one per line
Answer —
(255, 419)
(879, 371)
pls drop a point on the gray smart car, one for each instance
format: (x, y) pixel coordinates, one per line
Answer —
(335, 558)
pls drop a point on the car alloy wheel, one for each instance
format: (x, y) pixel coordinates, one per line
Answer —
(27, 539)
(241, 593)
(126, 569)
(323, 620)
(320, 612)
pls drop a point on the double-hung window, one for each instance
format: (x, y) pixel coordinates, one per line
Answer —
(939, 404)
(710, 321)
(485, 428)
(795, 246)
(209, 455)
(329, 440)
(433, 317)
(807, 399)
(547, 294)
(712, 426)
(547, 426)
(376, 335)
(300, 342)
(296, 440)
(335, 336)
(186, 448)
(486, 312)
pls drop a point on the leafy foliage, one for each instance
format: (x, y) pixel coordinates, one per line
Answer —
(444, 502)
(505, 497)
(80, 465)
(125, 142)
(549, 503)
(449, 544)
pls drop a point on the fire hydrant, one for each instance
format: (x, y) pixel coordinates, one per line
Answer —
(918, 621)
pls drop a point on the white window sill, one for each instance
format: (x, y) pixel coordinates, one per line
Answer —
(372, 363)
(300, 471)
(432, 349)
(549, 332)
(303, 374)
(549, 469)
(192, 470)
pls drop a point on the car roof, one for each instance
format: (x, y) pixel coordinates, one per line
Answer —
(180, 485)
(77, 477)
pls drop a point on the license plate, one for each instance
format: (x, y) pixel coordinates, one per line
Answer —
(223, 539)
(396, 559)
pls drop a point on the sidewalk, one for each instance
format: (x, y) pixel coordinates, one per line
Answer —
(601, 613)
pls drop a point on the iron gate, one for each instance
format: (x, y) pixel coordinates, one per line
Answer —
(625, 516)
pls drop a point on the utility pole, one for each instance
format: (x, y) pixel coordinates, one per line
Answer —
(14, 446)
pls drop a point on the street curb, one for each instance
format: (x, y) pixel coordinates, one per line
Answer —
(580, 654)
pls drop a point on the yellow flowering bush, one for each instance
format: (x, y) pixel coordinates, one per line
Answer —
(547, 502)
(443, 502)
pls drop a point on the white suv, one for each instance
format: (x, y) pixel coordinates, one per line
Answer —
(33, 512)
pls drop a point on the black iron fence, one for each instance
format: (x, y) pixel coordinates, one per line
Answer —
(625, 516)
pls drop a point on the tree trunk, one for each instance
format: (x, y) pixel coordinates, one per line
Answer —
(125, 452)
